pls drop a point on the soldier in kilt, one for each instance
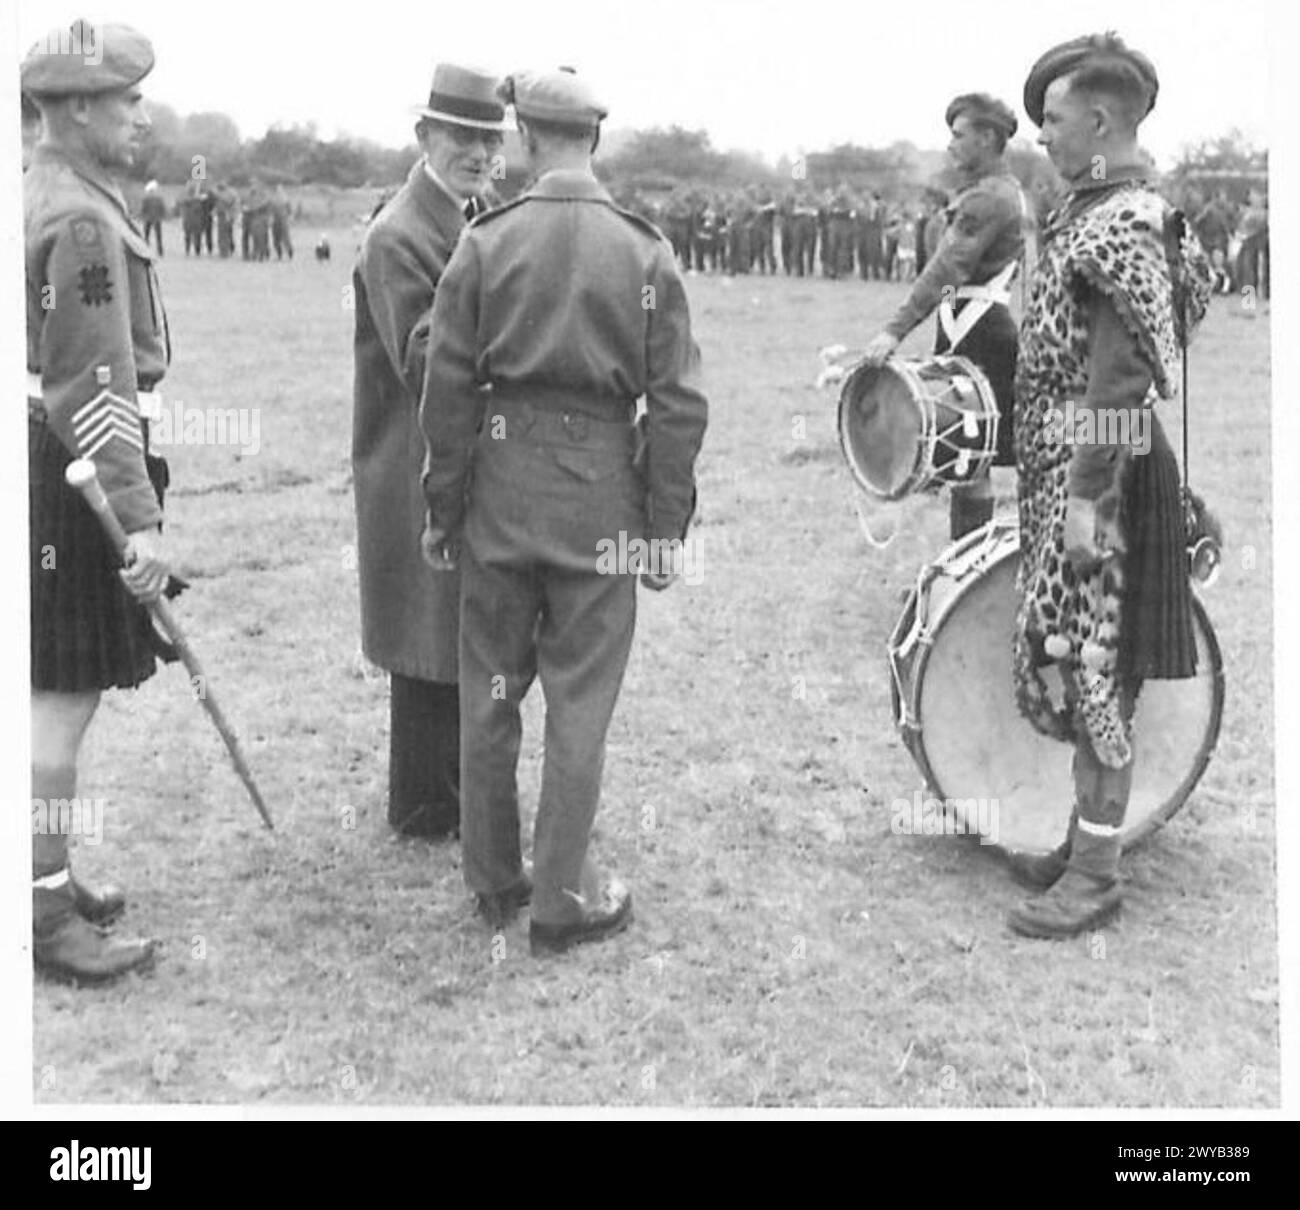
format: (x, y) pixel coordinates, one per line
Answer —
(97, 345)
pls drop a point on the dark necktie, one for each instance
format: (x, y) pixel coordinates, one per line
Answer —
(470, 208)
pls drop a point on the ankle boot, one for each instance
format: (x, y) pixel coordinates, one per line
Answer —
(64, 946)
(1084, 897)
(1038, 871)
(100, 905)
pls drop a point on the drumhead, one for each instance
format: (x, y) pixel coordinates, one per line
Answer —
(973, 744)
(881, 425)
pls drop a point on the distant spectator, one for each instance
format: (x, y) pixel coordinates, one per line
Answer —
(1222, 279)
(153, 209)
(281, 208)
(1252, 260)
(906, 251)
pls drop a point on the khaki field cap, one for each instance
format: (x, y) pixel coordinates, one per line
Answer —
(553, 96)
(86, 58)
(465, 96)
(1085, 52)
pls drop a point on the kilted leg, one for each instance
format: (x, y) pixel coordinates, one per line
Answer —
(583, 647)
(498, 661)
(1087, 893)
(87, 631)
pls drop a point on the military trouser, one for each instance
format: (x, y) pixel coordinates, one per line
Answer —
(787, 248)
(805, 257)
(534, 606)
(841, 249)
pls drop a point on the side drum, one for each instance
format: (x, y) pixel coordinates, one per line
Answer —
(908, 425)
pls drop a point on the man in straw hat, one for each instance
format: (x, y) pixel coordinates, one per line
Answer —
(570, 310)
(1103, 570)
(968, 277)
(97, 345)
(410, 617)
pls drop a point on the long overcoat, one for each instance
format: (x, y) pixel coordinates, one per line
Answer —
(410, 614)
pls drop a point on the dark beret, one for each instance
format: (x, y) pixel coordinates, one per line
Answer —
(1083, 52)
(983, 108)
(86, 58)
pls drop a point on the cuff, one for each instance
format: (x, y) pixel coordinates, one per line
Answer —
(136, 507)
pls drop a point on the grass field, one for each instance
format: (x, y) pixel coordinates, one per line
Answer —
(789, 950)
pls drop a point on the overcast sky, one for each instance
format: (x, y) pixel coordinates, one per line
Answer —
(758, 75)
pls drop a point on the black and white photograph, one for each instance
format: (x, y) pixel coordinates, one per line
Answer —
(639, 561)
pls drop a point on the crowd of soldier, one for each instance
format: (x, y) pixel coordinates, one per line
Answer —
(263, 217)
(837, 231)
(1235, 234)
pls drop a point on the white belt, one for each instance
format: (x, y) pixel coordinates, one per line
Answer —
(996, 290)
(150, 403)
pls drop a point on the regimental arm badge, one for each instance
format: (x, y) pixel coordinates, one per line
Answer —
(95, 284)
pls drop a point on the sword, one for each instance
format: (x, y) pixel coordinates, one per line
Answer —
(81, 475)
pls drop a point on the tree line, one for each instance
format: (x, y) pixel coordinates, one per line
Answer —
(657, 159)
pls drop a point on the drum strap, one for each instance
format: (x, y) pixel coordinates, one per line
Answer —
(996, 290)
(1175, 227)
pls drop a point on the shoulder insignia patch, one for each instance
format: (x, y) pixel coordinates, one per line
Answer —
(85, 233)
(96, 286)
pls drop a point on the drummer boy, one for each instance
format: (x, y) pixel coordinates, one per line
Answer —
(968, 279)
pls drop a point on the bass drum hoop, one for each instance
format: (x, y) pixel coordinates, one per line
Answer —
(907, 710)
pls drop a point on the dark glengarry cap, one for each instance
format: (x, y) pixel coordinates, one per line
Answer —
(86, 58)
(553, 96)
(1083, 52)
(985, 109)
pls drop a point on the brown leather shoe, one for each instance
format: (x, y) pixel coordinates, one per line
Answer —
(100, 907)
(612, 916)
(76, 951)
(499, 908)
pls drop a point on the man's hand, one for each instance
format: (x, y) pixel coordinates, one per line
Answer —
(1082, 549)
(880, 349)
(659, 577)
(440, 550)
(145, 568)
(658, 581)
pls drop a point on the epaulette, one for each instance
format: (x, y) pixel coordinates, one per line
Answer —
(638, 220)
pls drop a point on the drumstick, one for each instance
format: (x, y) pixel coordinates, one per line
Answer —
(81, 475)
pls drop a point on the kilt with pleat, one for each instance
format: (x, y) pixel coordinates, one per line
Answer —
(88, 631)
(1156, 630)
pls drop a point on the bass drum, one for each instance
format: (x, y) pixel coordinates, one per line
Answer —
(950, 665)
